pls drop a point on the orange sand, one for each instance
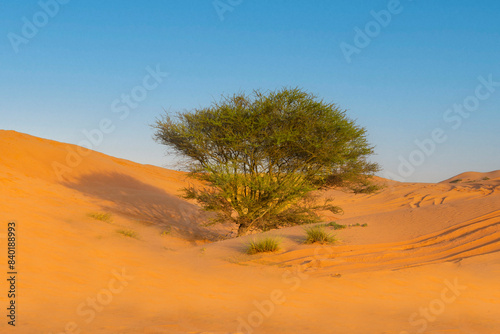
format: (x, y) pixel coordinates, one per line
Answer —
(428, 261)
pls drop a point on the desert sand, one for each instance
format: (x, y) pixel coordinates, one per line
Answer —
(428, 260)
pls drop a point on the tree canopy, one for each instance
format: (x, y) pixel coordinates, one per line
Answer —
(260, 156)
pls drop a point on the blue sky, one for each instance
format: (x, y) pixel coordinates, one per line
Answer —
(410, 68)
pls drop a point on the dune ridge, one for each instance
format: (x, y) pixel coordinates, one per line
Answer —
(184, 277)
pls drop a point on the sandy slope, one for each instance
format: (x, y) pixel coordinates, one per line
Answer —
(428, 261)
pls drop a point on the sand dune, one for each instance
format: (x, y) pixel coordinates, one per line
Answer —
(469, 177)
(474, 237)
(428, 260)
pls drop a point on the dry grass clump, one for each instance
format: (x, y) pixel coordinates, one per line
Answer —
(269, 244)
(128, 233)
(102, 216)
(317, 234)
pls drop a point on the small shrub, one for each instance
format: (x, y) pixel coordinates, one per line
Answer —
(358, 224)
(456, 181)
(336, 226)
(269, 244)
(166, 231)
(367, 189)
(128, 233)
(319, 235)
(485, 178)
(104, 217)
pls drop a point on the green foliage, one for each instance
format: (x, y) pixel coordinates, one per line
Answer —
(456, 181)
(485, 178)
(358, 224)
(365, 187)
(261, 156)
(341, 227)
(318, 234)
(105, 217)
(128, 233)
(269, 244)
(335, 226)
(166, 231)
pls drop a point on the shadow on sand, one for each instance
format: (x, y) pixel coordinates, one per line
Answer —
(130, 197)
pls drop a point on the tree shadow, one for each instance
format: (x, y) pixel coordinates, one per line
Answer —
(130, 197)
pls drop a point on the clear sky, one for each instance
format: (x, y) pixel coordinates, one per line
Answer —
(408, 71)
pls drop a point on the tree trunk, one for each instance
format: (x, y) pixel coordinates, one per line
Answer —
(242, 230)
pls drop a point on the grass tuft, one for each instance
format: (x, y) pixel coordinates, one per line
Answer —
(128, 233)
(335, 225)
(269, 244)
(104, 217)
(456, 181)
(358, 224)
(166, 231)
(318, 234)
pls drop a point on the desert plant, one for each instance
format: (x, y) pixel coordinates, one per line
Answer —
(335, 225)
(485, 178)
(105, 217)
(268, 244)
(128, 233)
(166, 231)
(456, 181)
(358, 224)
(318, 234)
(366, 187)
(260, 156)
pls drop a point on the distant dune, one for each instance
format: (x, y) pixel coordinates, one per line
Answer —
(105, 245)
(474, 177)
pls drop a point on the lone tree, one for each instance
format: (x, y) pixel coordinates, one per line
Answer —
(259, 157)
